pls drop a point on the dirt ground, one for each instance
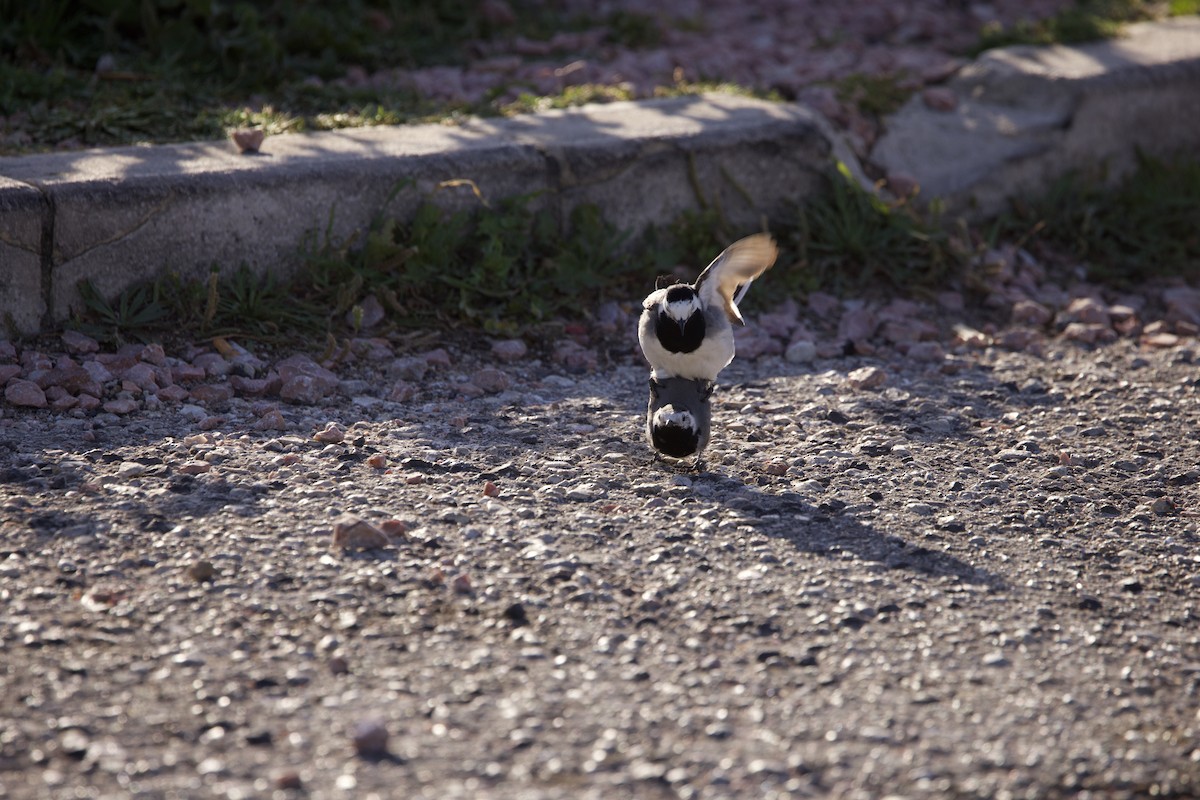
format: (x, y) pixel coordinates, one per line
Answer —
(970, 578)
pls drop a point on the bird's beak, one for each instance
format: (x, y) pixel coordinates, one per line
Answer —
(682, 324)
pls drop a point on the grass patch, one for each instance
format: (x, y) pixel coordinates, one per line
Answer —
(1147, 226)
(852, 240)
(506, 266)
(1085, 21)
(108, 72)
(874, 95)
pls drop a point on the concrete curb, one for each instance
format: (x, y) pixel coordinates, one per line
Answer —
(122, 215)
(1020, 117)
(1014, 120)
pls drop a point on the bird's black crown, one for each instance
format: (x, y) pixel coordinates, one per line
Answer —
(680, 291)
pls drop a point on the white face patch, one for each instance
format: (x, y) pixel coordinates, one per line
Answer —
(681, 310)
(667, 415)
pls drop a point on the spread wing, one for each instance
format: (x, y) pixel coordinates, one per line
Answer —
(728, 277)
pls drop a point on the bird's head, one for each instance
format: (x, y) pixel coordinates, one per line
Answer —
(680, 303)
(674, 432)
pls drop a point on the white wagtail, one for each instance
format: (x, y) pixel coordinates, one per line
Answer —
(679, 417)
(686, 330)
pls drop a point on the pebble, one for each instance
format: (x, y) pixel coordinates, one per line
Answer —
(370, 738)
(331, 434)
(247, 140)
(928, 352)
(995, 659)
(213, 364)
(438, 357)
(352, 533)
(288, 780)
(304, 380)
(491, 380)
(866, 378)
(79, 343)
(509, 350)
(121, 405)
(800, 352)
(211, 394)
(1031, 312)
(1163, 506)
(367, 314)
(271, 420)
(201, 571)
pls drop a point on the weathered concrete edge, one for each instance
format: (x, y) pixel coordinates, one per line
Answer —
(123, 215)
(1025, 118)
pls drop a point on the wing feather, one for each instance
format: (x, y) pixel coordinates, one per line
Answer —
(730, 274)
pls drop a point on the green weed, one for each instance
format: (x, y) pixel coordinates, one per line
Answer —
(874, 95)
(850, 239)
(136, 313)
(1146, 226)
(1086, 21)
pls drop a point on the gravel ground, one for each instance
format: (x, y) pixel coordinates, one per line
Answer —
(957, 562)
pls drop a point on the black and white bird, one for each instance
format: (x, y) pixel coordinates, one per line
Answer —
(686, 330)
(679, 417)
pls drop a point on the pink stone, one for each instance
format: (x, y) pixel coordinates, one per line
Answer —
(76, 342)
(1160, 340)
(271, 420)
(402, 392)
(509, 350)
(121, 405)
(88, 402)
(1087, 310)
(823, 305)
(24, 393)
(352, 533)
(173, 393)
(857, 325)
(211, 393)
(867, 378)
(64, 403)
(438, 358)
(491, 380)
(142, 375)
(926, 351)
(213, 364)
(250, 387)
(1089, 332)
(153, 354)
(372, 313)
(1031, 312)
(97, 371)
(187, 373)
(1018, 339)
(1182, 302)
(247, 140)
(305, 381)
(9, 371)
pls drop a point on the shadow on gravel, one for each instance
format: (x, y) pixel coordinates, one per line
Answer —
(821, 530)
